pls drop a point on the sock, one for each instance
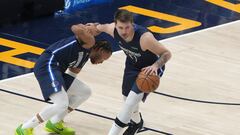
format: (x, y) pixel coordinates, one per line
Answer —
(58, 117)
(31, 123)
(130, 105)
(136, 117)
(60, 100)
(125, 114)
(115, 130)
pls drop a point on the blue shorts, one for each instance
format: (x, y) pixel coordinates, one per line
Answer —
(50, 78)
(129, 78)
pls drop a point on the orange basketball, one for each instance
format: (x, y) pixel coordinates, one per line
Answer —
(147, 83)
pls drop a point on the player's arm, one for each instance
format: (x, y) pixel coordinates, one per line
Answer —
(97, 28)
(83, 34)
(148, 42)
(107, 28)
(73, 71)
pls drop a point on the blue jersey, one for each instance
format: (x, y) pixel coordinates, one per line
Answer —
(69, 53)
(135, 55)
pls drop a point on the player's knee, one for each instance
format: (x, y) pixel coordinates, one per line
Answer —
(82, 89)
(62, 106)
(87, 92)
(132, 101)
(60, 100)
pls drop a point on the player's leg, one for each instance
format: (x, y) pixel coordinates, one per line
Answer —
(78, 92)
(132, 101)
(51, 82)
(129, 111)
(124, 116)
(60, 104)
(137, 122)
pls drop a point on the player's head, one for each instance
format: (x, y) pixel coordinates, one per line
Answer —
(124, 23)
(100, 51)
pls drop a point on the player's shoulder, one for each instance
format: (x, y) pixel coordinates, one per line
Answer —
(147, 36)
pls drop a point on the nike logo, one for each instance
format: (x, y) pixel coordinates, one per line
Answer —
(59, 129)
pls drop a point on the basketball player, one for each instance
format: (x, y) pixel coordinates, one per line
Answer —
(63, 88)
(144, 53)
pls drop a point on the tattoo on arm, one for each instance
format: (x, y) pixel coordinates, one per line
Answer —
(163, 59)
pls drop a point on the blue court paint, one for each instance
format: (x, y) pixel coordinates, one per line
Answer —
(44, 31)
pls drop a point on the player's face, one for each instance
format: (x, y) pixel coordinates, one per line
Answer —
(97, 57)
(124, 29)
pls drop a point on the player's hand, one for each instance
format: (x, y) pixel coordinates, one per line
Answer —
(91, 24)
(151, 70)
(93, 30)
(79, 29)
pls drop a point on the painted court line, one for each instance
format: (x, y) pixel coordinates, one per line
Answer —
(164, 40)
(87, 112)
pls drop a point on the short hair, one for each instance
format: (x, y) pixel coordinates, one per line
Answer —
(123, 15)
(104, 45)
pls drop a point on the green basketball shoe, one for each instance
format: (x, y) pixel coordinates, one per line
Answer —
(58, 128)
(20, 131)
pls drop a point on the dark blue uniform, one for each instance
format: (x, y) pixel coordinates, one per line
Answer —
(52, 64)
(136, 59)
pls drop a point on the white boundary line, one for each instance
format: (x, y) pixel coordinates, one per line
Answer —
(164, 40)
(16, 77)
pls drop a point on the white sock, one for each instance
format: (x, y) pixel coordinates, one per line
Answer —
(31, 123)
(125, 114)
(60, 100)
(136, 115)
(115, 130)
(129, 106)
(58, 117)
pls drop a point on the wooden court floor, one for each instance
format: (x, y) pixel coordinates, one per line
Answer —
(199, 92)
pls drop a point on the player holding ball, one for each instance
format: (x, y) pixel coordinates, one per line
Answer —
(145, 55)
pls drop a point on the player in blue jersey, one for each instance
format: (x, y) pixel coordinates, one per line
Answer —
(56, 71)
(144, 53)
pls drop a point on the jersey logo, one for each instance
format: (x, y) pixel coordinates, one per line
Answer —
(133, 55)
(72, 63)
(134, 48)
(55, 83)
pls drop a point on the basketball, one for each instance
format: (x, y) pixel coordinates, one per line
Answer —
(147, 83)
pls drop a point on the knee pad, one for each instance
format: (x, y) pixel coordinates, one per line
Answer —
(78, 88)
(60, 100)
(61, 107)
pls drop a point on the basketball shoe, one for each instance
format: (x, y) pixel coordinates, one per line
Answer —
(133, 127)
(58, 128)
(20, 131)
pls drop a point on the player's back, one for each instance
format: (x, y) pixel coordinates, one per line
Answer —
(68, 52)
